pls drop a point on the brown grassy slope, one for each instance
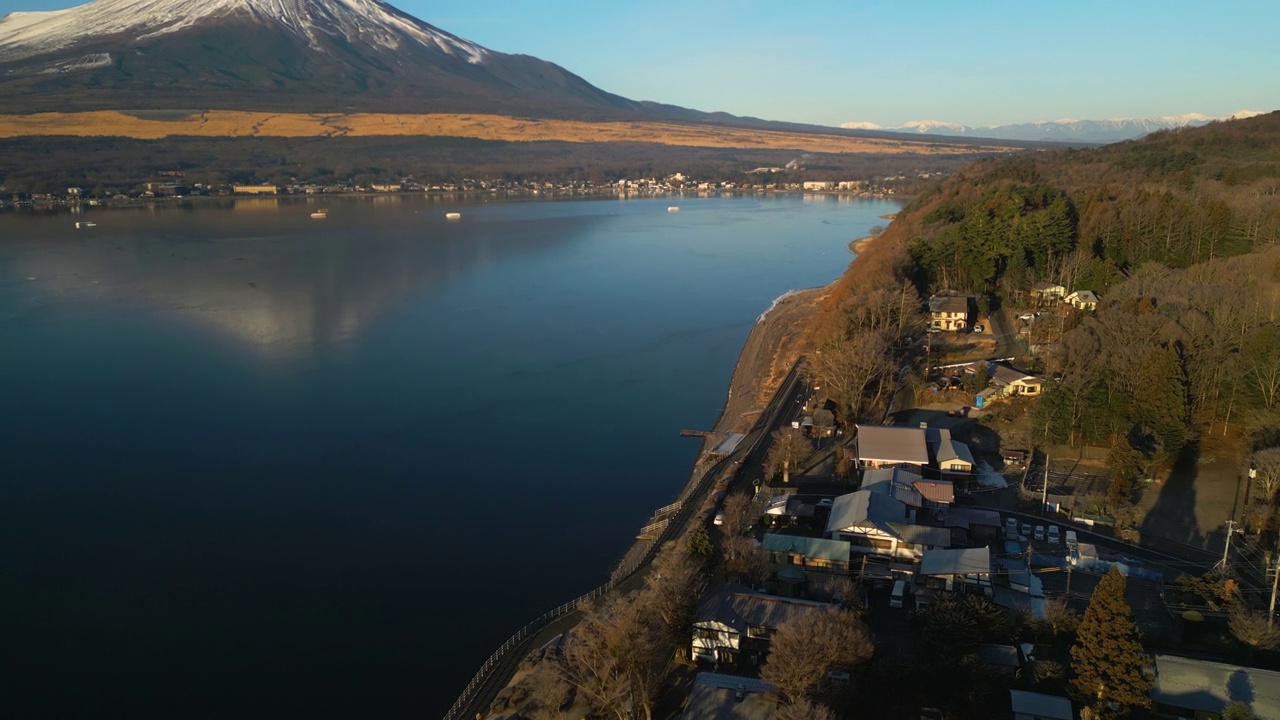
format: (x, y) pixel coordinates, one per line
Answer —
(484, 127)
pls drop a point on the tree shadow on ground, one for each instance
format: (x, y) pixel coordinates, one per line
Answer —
(1173, 517)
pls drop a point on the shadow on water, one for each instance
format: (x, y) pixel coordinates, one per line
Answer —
(1173, 517)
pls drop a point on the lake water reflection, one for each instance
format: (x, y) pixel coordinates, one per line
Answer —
(261, 465)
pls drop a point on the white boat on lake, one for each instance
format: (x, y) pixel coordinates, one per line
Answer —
(453, 216)
(83, 224)
(673, 208)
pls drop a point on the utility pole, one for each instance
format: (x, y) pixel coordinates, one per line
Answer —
(1231, 530)
(1044, 491)
(1275, 580)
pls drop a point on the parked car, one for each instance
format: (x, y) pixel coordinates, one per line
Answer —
(977, 328)
(899, 591)
(1039, 532)
(1072, 542)
(1026, 529)
(1053, 535)
(825, 502)
(719, 519)
(1011, 528)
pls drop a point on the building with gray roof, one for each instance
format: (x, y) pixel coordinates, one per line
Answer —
(716, 696)
(877, 524)
(878, 446)
(1189, 688)
(732, 624)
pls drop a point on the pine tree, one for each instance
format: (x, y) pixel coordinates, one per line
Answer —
(1110, 667)
(1160, 397)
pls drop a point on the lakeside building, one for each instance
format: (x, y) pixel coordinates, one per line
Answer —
(732, 625)
(716, 696)
(949, 312)
(877, 524)
(905, 485)
(808, 553)
(255, 189)
(918, 450)
(878, 446)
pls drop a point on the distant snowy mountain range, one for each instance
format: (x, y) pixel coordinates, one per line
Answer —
(1082, 131)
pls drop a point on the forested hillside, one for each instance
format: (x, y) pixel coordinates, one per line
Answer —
(1085, 217)
(1177, 232)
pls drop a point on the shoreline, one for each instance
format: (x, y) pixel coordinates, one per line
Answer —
(768, 357)
(78, 206)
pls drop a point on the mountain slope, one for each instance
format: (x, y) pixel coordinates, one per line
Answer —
(282, 55)
(1068, 131)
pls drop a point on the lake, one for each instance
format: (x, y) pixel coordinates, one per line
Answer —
(259, 465)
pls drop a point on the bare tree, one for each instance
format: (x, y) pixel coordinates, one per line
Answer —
(788, 447)
(745, 556)
(737, 514)
(1059, 619)
(674, 586)
(1253, 629)
(804, 710)
(616, 658)
(1267, 463)
(548, 692)
(851, 367)
(805, 649)
(824, 422)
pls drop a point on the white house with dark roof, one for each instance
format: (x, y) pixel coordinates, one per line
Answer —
(879, 446)
(949, 312)
(877, 524)
(732, 625)
(949, 455)
(1010, 381)
(1083, 300)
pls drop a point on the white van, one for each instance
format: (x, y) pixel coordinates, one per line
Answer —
(899, 592)
(1072, 542)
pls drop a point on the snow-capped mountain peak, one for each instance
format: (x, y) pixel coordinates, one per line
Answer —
(933, 126)
(1062, 130)
(30, 34)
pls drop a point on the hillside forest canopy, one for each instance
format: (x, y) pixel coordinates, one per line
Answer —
(1177, 232)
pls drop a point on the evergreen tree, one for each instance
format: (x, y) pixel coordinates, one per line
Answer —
(1110, 667)
(1160, 397)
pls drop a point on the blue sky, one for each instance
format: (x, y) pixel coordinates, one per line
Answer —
(832, 61)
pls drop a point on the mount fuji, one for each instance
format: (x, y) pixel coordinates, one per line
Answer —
(277, 55)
